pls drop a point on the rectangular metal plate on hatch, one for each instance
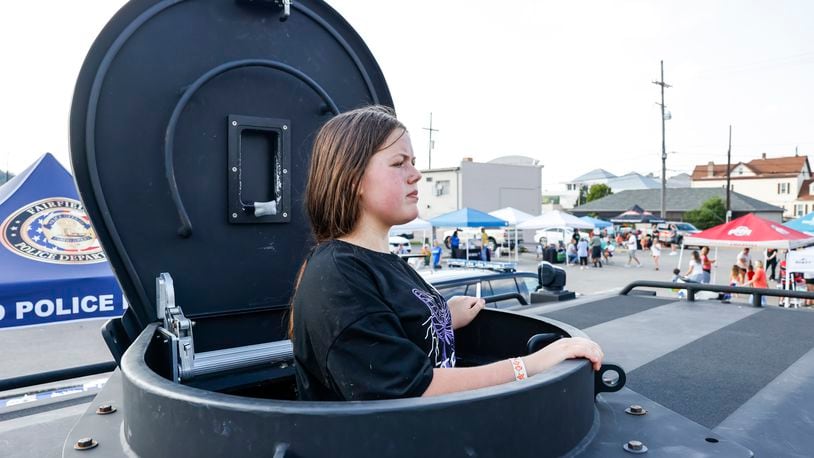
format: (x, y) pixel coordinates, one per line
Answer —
(259, 184)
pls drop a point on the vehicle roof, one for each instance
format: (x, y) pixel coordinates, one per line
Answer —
(733, 368)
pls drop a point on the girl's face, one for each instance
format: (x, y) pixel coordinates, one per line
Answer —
(388, 193)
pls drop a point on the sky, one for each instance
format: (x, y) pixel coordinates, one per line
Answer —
(567, 83)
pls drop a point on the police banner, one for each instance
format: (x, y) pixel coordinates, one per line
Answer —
(52, 267)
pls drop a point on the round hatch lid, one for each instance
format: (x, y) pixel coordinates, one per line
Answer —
(191, 131)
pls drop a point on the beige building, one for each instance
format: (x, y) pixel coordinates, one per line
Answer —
(781, 181)
(483, 186)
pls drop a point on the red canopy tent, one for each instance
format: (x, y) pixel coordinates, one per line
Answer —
(751, 231)
(748, 231)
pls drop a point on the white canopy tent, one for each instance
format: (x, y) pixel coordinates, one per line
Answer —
(555, 218)
(415, 225)
(514, 217)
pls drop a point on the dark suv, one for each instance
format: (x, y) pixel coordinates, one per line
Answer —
(463, 282)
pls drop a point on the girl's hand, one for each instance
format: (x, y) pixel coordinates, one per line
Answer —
(570, 348)
(464, 309)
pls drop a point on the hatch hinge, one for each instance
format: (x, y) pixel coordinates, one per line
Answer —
(177, 326)
(177, 329)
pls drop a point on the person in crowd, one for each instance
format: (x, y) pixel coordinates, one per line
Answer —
(736, 277)
(363, 324)
(750, 272)
(571, 255)
(454, 243)
(607, 252)
(436, 254)
(758, 280)
(677, 278)
(694, 271)
(646, 242)
(582, 252)
(744, 260)
(620, 239)
(539, 250)
(426, 251)
(550, 253)
(673, 241)
(771, 263)
(596, 250)
(706, 265)
(676, 275)
(632, 247)
(655, 251)
(485, 255)
(808, 278)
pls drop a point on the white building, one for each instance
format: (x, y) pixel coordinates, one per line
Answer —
(781, 181)
(510, 181)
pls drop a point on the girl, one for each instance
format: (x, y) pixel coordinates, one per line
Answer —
(706, 265)
(695, 273)
(655, 250)
(365, 325)
(735, 277)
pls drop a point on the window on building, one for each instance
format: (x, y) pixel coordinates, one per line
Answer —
(784, 188)
(428, 179)
(798, 210)
(441, 187)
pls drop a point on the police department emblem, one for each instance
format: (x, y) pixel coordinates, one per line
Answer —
(55, 230)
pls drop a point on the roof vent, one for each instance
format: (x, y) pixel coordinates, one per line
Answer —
(710, 169)
(763, 156)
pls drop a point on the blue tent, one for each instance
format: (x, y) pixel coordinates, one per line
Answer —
(52, 268)
(804, 223)
(598, 223)
(467, 217)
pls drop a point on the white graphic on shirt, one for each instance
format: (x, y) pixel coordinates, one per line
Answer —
(439, 329)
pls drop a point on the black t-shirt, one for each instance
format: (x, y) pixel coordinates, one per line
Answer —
(367, 326)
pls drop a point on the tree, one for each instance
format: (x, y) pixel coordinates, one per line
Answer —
(710, 213)
(598, 191)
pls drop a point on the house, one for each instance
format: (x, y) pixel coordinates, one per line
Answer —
(510, 181)
(678, 202)
(781, 181)
(629, 181)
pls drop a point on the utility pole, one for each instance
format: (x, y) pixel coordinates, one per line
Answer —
(430, 144)
(663, 147)
(728, 161)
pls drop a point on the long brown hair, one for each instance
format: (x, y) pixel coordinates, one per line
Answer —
(342, 149)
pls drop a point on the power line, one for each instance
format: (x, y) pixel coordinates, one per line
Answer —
(430, 145)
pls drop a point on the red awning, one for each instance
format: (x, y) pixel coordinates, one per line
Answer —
(751, 231)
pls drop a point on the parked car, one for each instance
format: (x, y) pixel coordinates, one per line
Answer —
(503, 237)
(675, 231)
(463, 282)
(555, 235)
(396, 241)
